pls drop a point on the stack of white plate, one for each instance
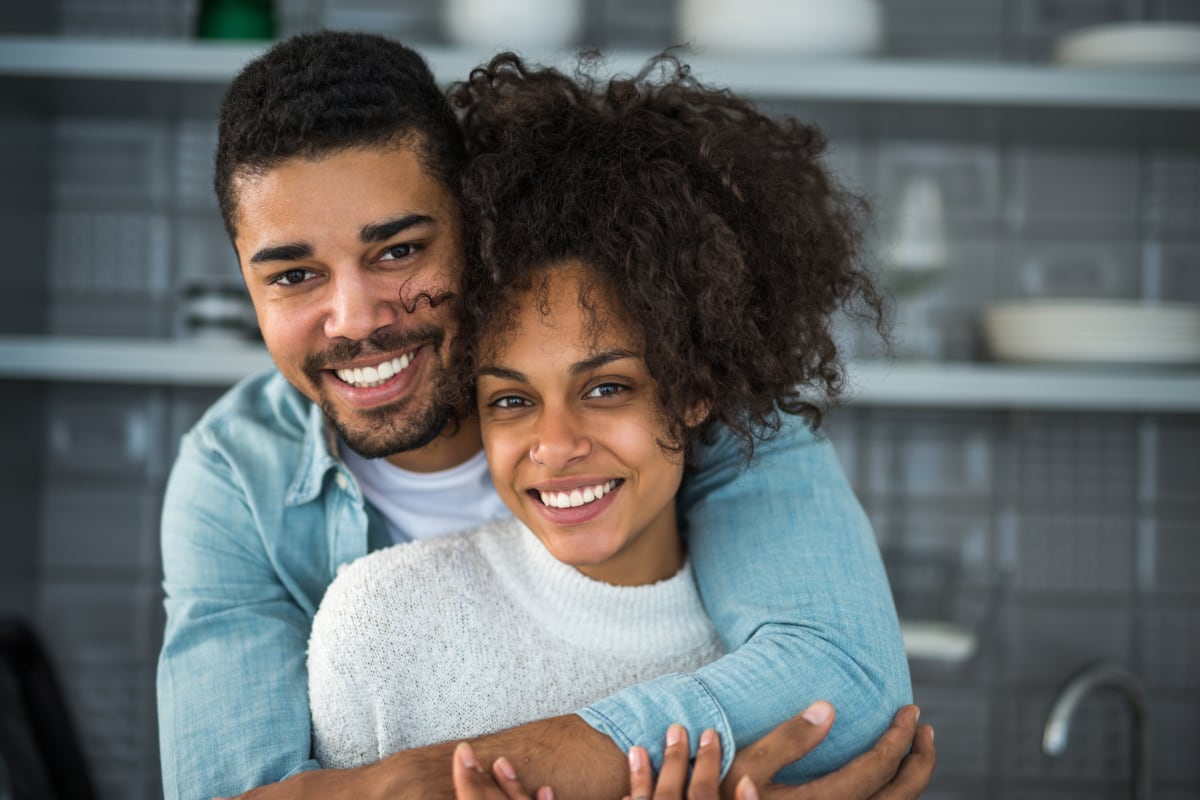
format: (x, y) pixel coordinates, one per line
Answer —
(828, 28)
(1094, 331)
(1132, 44)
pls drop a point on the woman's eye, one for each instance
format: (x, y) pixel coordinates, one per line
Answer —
(509, 402)
(291, 277)
(606, 390)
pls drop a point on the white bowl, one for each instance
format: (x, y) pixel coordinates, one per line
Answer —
(1093, 331)
(517, 24)
(783, 27)
(1132, 44)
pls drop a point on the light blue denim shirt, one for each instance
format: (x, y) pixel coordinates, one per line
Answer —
(259, 515)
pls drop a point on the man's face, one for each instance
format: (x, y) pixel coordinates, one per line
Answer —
(351, 261)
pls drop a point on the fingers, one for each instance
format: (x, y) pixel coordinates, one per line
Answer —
(506, 778)
(672, 778)
(788, 742)
(874, 769)
(706, 770)
(915, 771)
(641, 777)
(745, 790)
(472, 783)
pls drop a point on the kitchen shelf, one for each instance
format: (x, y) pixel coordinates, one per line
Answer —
(200, 362)
(850, 80)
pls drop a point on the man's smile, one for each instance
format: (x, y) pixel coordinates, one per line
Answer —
(374, 375)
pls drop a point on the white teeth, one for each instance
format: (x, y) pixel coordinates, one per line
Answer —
(577, 497)
(366, 377)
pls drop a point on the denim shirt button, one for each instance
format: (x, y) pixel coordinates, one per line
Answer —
(341, 481)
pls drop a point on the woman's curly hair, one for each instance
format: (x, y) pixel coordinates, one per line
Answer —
(717, 228)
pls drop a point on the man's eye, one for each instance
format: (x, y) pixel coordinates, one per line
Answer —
(509, 402)
(291, 277)
(607, 390)
(398, 251)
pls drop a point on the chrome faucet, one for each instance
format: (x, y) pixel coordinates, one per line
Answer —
(1102, 676)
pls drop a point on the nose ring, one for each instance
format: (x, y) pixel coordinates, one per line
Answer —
(534, 460)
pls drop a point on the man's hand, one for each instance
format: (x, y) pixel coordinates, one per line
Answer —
(888, 771)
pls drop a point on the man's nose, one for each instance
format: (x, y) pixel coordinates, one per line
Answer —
(359, 305)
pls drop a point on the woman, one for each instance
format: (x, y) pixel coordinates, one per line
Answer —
(653, 259)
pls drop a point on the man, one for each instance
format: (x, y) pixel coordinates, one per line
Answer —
(336, 174)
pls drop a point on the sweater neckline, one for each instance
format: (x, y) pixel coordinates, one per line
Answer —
(667, 615)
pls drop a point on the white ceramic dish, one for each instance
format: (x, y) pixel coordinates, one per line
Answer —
(1093, 332)
(1132, 44)
(527, 25)
(783, 27)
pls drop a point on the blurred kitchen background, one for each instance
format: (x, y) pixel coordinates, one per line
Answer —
(1030, 455)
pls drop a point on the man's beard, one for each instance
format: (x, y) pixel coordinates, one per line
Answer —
(388, 431)
(393, 428)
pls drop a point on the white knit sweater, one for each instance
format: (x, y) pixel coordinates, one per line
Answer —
(472, 633)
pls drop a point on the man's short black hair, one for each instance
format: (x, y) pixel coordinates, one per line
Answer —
(318, 93)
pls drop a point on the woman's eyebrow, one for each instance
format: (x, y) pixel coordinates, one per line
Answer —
(579, 367)
(501, 372)
(600, 359)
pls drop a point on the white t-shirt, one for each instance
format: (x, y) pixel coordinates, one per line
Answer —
(423, 505)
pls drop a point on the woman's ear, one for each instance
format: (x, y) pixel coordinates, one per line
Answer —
(697, 413)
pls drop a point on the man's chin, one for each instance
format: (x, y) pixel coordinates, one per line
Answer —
(387, 431)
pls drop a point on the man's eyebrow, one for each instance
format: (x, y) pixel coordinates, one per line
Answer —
(382, 231)
(283, 252)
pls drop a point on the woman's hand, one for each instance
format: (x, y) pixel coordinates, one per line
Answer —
(472, 783)
(672, 779)
(888, 771)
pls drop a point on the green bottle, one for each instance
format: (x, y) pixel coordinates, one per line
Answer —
(236, 19)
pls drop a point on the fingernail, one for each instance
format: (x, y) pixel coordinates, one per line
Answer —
(506, 769)
(636, 762)
(708, 737)
(673, 734)
(818, 712)
(467, 756)
(931, 733)
(545, 793)
(746, 789)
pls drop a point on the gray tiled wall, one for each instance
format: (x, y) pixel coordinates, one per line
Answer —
(1058, 538)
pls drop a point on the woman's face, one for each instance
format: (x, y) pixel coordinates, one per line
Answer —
(571, 427)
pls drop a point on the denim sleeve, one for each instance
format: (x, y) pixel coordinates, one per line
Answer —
(790, 573)
(232, 686)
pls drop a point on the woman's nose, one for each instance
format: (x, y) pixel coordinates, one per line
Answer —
(561, 440)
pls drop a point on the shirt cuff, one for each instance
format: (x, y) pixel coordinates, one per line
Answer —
(641, 714)
(305, 766)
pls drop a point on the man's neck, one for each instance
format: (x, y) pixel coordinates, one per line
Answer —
(458, 443)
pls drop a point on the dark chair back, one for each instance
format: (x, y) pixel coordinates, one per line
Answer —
(40, 755)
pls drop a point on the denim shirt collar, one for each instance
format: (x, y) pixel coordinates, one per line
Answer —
(317, 458)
